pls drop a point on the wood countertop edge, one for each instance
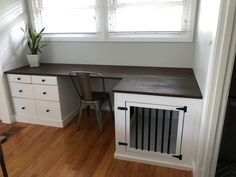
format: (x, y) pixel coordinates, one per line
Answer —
(157, 94)
(120, 77)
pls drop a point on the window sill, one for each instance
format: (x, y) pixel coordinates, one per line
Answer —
(72, 37)
(118, 38)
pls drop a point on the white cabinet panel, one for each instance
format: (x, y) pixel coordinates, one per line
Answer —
(21, 90)
(156, 129)
(24, 106)
(46, 92)
(48, 110)
(45, 80)
(19, 78)
(36, 99)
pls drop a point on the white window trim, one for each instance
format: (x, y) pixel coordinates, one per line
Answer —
(104, 35)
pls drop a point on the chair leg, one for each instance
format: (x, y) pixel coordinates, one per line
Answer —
(80, 115)
(110, 105)
(99, 116)
(3, 165)
(88, 110)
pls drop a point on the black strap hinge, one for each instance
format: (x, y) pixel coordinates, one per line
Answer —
(183, 109)
(122, 108)
(178, 156)
(122, 144)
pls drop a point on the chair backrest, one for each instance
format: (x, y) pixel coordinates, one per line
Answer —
(81, 81)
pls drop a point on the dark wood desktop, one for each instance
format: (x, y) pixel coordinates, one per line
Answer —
(177, 82)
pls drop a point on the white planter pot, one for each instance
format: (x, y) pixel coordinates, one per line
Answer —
(33, 60)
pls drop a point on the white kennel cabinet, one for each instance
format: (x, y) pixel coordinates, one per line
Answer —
(155, 129)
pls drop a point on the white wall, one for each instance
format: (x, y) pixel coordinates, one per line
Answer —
(117, 53)
(205, 38)
(12, 53)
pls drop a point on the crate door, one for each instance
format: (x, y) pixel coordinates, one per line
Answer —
(154, 129)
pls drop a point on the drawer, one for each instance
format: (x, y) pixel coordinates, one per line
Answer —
(45, 80)
(46, 92)
(19, 78)
(48, 110)
(24, 106)
(21, 90)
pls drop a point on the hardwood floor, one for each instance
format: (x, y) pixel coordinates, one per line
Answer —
(41, 151)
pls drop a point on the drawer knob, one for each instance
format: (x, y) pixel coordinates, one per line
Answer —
(18, 78)
(47, 110)
(43, 80)
(44, 93)
(20, 91)
(22, 108)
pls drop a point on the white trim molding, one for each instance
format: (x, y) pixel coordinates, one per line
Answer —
(6, 105)
(219, 74)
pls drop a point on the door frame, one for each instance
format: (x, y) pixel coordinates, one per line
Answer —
(218, 87)
(6, 111)
(224, 100)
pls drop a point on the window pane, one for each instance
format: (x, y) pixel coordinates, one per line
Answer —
(65, 16)
(148, 16)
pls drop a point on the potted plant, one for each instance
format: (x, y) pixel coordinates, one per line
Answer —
(34, 39)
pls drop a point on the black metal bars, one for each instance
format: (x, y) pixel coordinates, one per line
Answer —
(154, 129)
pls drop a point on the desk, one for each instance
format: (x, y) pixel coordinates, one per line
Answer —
(178, 82)
(170, 96)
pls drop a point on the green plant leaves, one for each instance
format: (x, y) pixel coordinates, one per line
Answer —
(34, 39)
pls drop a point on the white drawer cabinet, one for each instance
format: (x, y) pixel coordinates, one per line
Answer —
(24, 106)
(46, 100)
(19, 78)
(46, 92)
(45, 80)
(48, 109)
(21, 90)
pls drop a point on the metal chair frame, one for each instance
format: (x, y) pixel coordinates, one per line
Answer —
(2, 161)
(85, 102)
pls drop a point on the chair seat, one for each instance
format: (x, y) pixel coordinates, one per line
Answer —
(96, 96)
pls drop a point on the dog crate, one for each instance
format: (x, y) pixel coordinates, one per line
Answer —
(154, 129)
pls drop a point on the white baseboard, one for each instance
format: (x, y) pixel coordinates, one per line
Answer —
(6, 121)
(48, 122)
(32, 120)
(194, 170)
(106, 108)
(25, 119)
(70, 116)
(152, 162)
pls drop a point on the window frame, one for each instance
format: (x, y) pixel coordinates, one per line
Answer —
(105, 36)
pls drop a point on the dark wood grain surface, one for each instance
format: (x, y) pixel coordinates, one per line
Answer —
(160, 86)
(179, 82)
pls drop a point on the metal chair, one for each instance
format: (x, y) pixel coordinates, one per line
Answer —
(81, 81)
(3, 165)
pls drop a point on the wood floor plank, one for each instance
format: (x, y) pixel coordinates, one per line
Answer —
(42, 151)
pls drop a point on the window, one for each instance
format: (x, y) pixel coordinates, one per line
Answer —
(131, 20)
(149, 16)
(65, 16)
